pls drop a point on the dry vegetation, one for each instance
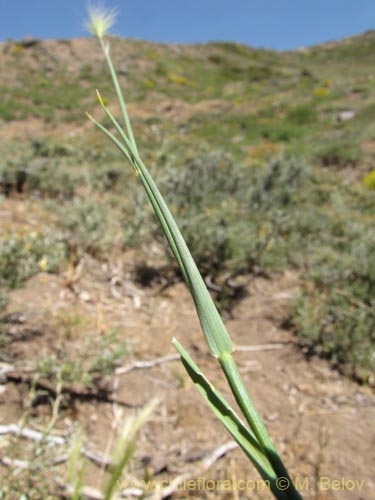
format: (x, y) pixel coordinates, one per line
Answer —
(273, 187)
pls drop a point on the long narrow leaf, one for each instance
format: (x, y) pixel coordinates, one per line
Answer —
(120, 96)
(231, 421)
(213, 327)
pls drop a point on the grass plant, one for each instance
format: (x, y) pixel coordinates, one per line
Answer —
(253, 437)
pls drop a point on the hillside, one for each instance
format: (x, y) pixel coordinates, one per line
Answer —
(268, 161)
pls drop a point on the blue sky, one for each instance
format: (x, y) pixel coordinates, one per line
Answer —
(278, 24)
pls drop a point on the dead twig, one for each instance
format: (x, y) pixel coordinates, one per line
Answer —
(94, 494)
(139, 365)
(86, 492)
(31, 434)
(203, 466)
(258, 348)
(178, 481)
(10, 462)
(38, 436)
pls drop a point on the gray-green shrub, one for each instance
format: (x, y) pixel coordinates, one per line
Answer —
(23, 254)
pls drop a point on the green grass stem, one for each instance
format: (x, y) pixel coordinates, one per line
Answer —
(255, 441)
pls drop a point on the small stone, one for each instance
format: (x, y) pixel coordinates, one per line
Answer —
(85, 296)
(272, 417)
(137, 302)
(345, 115)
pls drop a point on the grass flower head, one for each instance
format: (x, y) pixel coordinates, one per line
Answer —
(101, 19)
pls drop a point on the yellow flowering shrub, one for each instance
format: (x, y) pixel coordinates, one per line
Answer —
(180, 80)
(321, 92)
(369, 180)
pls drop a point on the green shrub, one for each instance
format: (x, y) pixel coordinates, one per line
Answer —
(87, 222)
(8, 111)
(340, 153)
(279, 183)
(14, 159)
(108, 354)
(4, 298)
(109, 176)
(95, 355)
(203, 194)
(335, 316)
(25, 254)
(302, 115)
(281, 131)
(51, 179)
(238, 219)
(230, 215)
(203, 181)
(47, 148)
(250, 73)
(38, 167)
(138, 225)
(40, 177)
